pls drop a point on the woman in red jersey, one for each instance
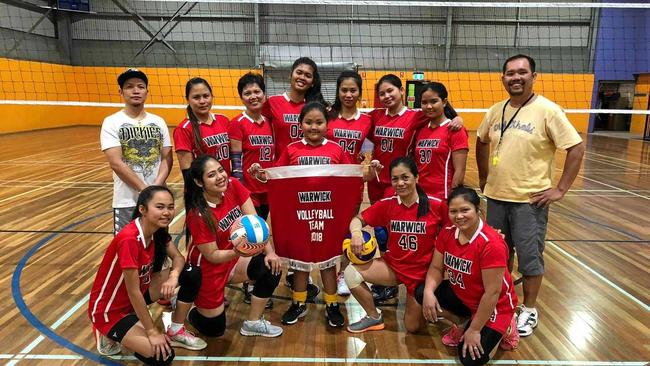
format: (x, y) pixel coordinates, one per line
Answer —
(283, 110)
(129, 278)
(440, 153)
(251, 138)
(202, 132)
(214, 202)
(348, 127)
(478, 286)
(412, 220)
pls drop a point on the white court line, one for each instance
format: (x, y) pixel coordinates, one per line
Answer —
(52, 184)
(604, 162)
(68, 314)
(645, 306)
(614, 187)
(50, 151)
(347, 360)
(619, 159)
(63, 181)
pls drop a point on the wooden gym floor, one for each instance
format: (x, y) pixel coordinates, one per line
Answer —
(55, 222)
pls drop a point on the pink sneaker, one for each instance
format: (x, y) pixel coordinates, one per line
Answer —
(452, 337)
(184, 338)
(510, 340)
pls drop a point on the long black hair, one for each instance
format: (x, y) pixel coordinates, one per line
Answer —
(314, 93)
(161, 237)
(194, 199)
(347, 74)
(190, 114)
(441, 91)
(408, 162)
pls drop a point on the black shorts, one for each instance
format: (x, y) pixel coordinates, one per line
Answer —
(125, 324)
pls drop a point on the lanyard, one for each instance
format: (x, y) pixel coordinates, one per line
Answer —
(504, 127)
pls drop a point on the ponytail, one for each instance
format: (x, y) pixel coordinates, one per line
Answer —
(423, 205)
(196, 130)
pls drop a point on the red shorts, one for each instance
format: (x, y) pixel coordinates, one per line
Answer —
(410, 279)
(499, 322)
(214, 278)
(377, 190)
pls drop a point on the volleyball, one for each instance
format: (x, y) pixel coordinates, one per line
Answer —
(368, 250)
(254, 231)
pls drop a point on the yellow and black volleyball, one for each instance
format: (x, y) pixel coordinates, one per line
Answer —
(367, 252)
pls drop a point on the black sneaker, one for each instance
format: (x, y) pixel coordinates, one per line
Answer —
(334, 316)
(381, 294)
(294, 312)
(247, 297)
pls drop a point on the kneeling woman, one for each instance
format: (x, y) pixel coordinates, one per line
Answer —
(412, 219)
(479, 287)
(130, 278)
(214, 202)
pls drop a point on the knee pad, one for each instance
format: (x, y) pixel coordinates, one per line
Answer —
(419, 293)
(152, 361)
(381, 235)
(265, 281)
(210, 327)
(352, 276)
(190, 283)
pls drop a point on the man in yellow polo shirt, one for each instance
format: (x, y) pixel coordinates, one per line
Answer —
(515, 151)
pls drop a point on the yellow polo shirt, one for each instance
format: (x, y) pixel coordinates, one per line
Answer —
(527, 151)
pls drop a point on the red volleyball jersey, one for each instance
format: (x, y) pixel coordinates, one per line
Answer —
(463, 265)
(215, 140)
(350, 133)
(411, 240)
(302, 153)
(283, 114)
(109, 301)
(393, 136)
(257, 147)
(433, 148)
(224, 215)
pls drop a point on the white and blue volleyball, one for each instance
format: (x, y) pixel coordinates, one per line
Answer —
(254, 231)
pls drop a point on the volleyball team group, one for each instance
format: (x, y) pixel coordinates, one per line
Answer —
(454, 265)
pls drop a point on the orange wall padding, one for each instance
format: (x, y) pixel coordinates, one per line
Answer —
(641, 95)
(39, 81)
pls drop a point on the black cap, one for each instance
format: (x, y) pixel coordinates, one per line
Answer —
(132, 73)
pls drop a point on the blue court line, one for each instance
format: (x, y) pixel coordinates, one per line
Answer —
(31, 318)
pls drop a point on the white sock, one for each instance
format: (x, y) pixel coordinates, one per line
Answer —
(175, 327)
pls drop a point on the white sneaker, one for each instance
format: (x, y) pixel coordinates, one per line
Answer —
(107, 346)
(342, 287)
(526, 320)
(260, 327)
(184, 338)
